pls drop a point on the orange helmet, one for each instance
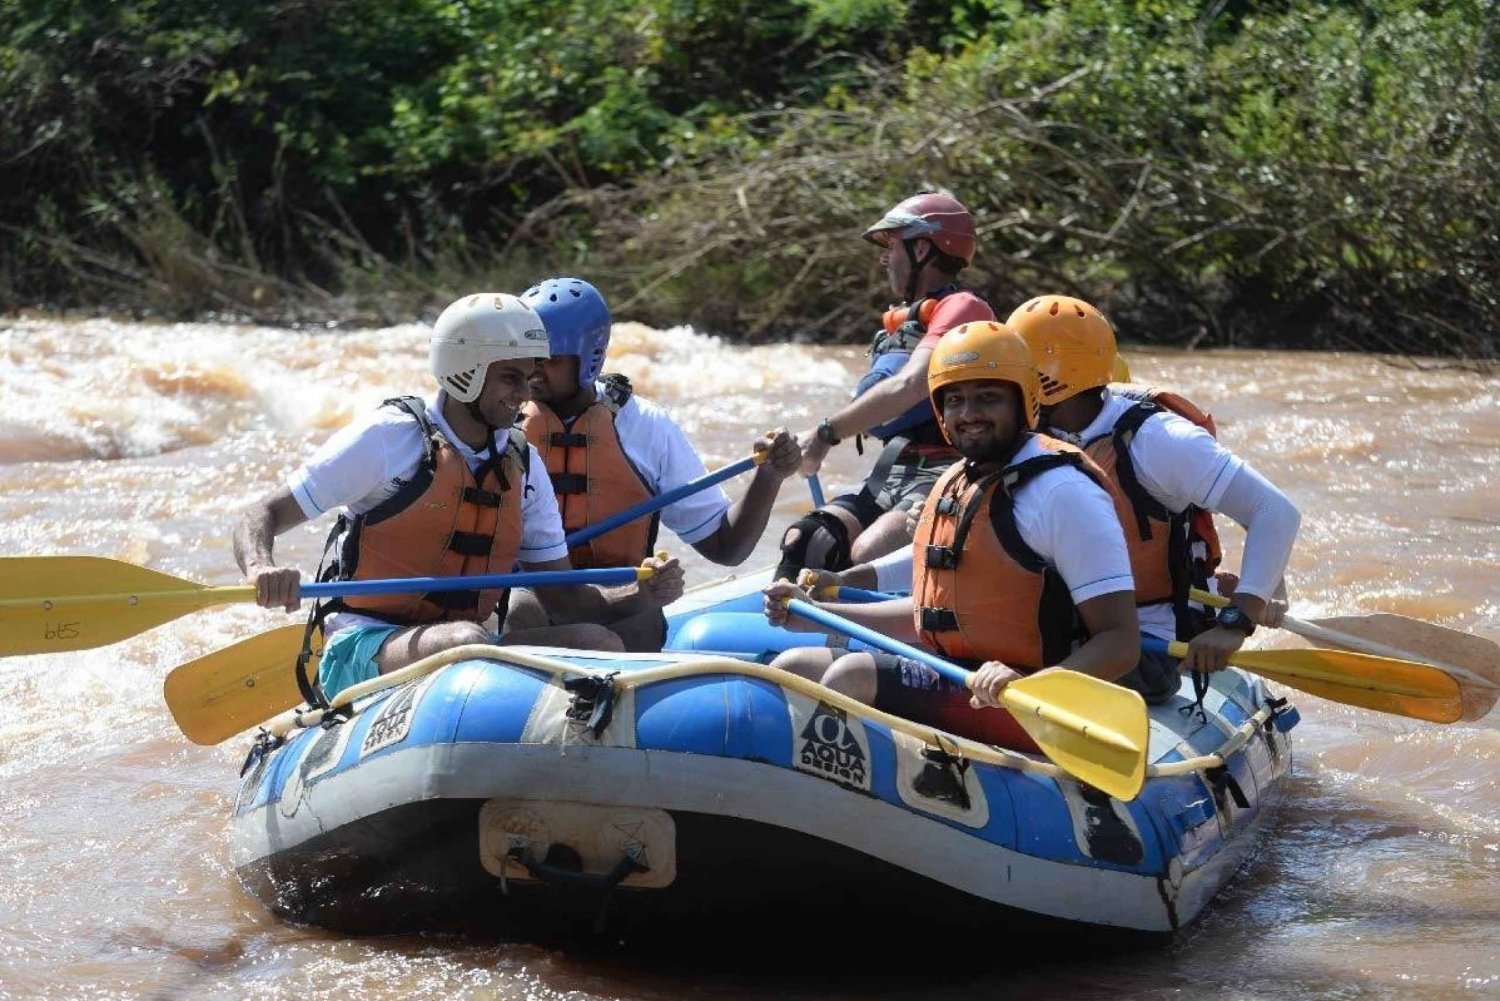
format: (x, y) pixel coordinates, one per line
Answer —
(984, 350)
(1072, 342)
(929, 216)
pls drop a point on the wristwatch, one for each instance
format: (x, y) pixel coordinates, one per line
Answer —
(826, 433)
(1234, 617)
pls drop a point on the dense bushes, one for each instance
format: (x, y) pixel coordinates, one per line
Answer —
(1297, 173)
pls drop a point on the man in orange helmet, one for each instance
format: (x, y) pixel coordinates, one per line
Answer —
(1023, 562)
(925, 241)
(1166, 472)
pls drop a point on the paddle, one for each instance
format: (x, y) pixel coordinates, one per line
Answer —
(232, 689)
(1472, 661)
(653, 504)
(815, 487)
(54, 604)
(224, 692)
(1093, 730)
(1386, 685)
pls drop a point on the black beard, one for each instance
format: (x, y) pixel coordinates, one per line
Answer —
(994, 451)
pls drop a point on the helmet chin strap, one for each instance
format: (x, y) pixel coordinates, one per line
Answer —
(916, 265)
(492, 460)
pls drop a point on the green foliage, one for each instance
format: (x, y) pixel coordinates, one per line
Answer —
(1299, 172)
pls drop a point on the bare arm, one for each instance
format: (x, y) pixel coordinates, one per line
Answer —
(887, 399)
(603, 605)
(745, 522)
(1114, 644)
(1112, 649)
(893, 618)
(254, 535)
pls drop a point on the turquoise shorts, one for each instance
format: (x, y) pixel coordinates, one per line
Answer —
(350, 658)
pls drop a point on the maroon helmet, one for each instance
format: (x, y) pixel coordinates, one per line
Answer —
(932, 216)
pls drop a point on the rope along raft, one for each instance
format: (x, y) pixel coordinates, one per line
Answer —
(294, 719)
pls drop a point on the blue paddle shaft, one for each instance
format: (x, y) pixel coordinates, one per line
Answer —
(862, 596)
(411, 585)
(815, 487)
(879, 641)
(654, 504)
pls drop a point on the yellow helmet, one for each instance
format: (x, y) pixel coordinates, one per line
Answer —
(1121, 371)
(984, 350)
(1072, 342)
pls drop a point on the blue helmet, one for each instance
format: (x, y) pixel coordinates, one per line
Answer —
(577, 322)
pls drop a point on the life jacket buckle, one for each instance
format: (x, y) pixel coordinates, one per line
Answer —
(938, 620)
(941, 558)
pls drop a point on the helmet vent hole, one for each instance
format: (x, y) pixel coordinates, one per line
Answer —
(1079, 310)
(1053, 310)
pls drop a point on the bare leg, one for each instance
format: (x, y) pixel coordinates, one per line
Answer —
(407, 646)
(853, 675)
(805, 661)
(524, 611)
(642, 632)
(578, 635)
(527, 621)
(886, 534)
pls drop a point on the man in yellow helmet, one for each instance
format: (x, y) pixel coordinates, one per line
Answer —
(1023, 562)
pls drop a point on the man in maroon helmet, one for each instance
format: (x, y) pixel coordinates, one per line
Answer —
(924, 241)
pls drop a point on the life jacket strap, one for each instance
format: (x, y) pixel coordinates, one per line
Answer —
(567, 439)
(938, 620)
(453, 600)
(481, 497)
(570, 483)
(941, 558)
(470, 543)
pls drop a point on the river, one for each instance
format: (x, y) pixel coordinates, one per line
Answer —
(1380, 876)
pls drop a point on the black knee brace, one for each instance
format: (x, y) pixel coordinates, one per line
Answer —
(818, 540)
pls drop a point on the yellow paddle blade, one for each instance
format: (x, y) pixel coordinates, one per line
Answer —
(1472, 661)
(55, 604)
(1121, 371)
(1400, 687)
(230, 690)
(1095, 731)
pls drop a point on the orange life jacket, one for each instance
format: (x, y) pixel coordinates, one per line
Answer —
(442, 523)
(593, 477)
(979, 592)
(1169, 552)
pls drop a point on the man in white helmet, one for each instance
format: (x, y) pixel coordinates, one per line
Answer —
(432, 488)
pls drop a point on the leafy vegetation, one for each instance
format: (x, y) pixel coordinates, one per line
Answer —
(1296, 173)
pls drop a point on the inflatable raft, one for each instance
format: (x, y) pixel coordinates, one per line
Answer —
(531, 788)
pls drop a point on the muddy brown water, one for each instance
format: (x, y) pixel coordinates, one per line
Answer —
(1379, 877)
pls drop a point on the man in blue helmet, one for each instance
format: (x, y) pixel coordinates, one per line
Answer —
(607, 449)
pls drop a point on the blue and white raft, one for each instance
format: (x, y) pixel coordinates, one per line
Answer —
(530, 789)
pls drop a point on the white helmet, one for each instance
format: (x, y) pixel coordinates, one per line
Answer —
(476, 330)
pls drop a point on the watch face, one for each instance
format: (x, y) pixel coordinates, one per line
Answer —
(1234, 618)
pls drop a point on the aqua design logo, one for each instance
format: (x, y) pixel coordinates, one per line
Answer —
(393, 718)
(827, 742)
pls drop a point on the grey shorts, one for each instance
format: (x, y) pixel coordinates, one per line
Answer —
(905, 487)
